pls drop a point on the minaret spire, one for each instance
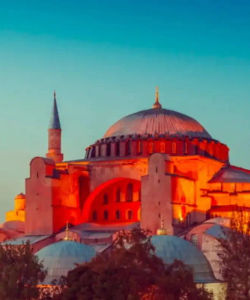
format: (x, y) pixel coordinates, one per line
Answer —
(157, 103)
(54, 135)
(54, 120)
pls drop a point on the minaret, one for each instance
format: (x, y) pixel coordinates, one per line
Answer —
(54, 135)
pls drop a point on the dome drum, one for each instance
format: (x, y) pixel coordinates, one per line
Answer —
(156, 130)
(132, 146)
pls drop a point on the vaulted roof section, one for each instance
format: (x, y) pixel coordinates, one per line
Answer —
(231, 174)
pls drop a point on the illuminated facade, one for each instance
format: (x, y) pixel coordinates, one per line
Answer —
(155, 167)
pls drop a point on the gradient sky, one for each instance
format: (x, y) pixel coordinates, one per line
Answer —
(104, 59)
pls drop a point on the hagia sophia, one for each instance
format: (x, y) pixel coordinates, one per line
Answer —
(157, 168)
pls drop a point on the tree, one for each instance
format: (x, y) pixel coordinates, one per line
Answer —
(131, 270)
(20, 272)
(235, 257)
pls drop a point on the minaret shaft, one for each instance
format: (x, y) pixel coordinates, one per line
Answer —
(54, 135)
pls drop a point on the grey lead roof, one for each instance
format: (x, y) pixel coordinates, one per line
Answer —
(231, 174)
(158, 121)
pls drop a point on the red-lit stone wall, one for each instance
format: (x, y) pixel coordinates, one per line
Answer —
(39, 213)
(117, 202)
(87, 191)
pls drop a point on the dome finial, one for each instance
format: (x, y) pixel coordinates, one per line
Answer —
(67, 238)
(157, 103)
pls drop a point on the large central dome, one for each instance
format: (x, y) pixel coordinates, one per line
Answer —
(157, 121)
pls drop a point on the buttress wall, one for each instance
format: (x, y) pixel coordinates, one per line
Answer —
(39, 212)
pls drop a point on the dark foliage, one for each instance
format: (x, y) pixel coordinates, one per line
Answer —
(20, 272)
(131, 271)
(235, 258)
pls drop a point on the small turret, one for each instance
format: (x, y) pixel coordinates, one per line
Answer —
(162, 230)
(54, 135)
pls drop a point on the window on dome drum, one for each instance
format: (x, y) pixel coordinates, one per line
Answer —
(105, 215)
(105, 199)
(129, 194)
(139, 147)
(185, 148)
(173, 148)
(108, 149)
(118, 195)
(162, 147)
(128, 148)
(130, 214)
(151, 147)
(94, 215)
(117, 215)
(196, 149)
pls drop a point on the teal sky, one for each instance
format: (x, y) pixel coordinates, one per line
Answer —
(104, 59)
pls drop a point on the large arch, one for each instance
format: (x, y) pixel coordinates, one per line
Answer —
(104, 205)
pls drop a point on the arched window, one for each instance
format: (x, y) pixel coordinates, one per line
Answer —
(108, 149)
(117, 215)
(105, 215)
(118, 195)
(185, 148)
(105, 199)
(129, 194)
(150, 147)
(127, 148)
(139, 147)
(162, 147)
(94, 215)
(117, 148)
(130, 215)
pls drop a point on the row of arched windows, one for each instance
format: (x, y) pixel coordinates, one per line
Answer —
(105, 216)
(182, 147)
(129, 195)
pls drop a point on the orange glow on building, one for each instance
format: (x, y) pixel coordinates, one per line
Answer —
(150, 166)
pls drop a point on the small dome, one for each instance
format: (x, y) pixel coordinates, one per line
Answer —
(61, 257)
(156, 122)
(14, 225)
(170, 248)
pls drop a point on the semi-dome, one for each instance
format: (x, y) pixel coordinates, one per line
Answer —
(61, 257)
(158, 121)
(169, 248)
